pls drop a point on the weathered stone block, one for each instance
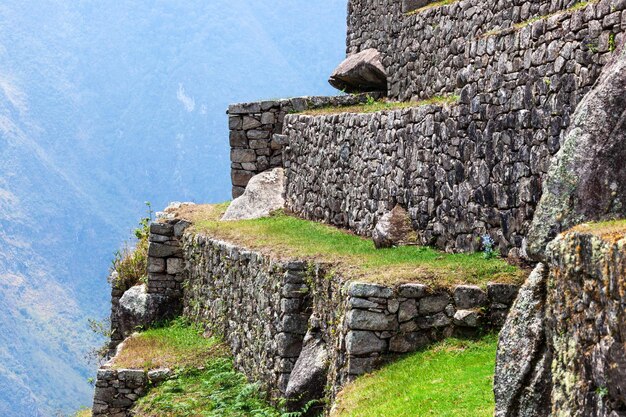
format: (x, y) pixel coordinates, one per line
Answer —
(469, 296)
(363, 342)
(368, 320)
(433, 304)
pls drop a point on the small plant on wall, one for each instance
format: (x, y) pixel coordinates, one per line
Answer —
(130, 263)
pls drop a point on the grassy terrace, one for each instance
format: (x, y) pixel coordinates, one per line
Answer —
(287, 237)
(205, 382)
(176, 345)
(454, 378)
(373, 106)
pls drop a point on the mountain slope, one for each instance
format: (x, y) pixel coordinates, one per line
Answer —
(105, 105)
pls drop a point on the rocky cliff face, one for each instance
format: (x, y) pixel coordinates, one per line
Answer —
(586, 177)
(562, 351)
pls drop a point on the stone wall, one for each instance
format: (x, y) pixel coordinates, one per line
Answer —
(264, 307)
(462, 170)
(162, 294)
(253, 148)
(259, 306)
(117, 390)
(480, 43)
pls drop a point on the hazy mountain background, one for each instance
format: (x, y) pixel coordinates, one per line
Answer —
(105, 105)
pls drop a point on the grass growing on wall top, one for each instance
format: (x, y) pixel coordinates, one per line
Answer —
(284, 236)
(611, 230)
(175, 345)
(452, 379)
(374, 106)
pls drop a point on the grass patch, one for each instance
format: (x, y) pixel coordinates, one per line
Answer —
(521, 25)
(175, 345)
(453, 378)
(430, 6)
(611, 230)
(374, 106)
(287, 237)
(215, 391)
(84, 412)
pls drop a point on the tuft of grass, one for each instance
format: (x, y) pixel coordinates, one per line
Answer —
(83, 412)
(611, 230)
(453, 378)
(430, 6)
(130, 263)
(287, 237)
(215, 391)
(373, 106)
(177, 344)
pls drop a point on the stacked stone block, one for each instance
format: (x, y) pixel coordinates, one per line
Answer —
(117, 390)
(252, 126)
(165, 258)
(383, 321)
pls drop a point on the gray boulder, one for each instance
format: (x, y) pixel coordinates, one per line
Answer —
(264, 193)
(522, 380)
(138, 309)
(410, 5)
(308, 377)
(586, 179)
(359, 73)
(394, 229)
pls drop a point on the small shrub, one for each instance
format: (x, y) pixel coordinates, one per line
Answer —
(129, 265)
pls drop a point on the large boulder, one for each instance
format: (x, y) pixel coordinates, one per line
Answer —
(587, 176)
(138, 309)
(360, 73)
(394, 229)
(264, 194)
(308, 377)
(522, 379)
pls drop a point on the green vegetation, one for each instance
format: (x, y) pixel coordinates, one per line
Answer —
(612, 44)
(85, 412)
(430, 6)
(451, 379)
(130, 263)
(355, 257)
(204, 383)
(177, 344)
(216, 390)
(373, 106)
(521, 25)
(612, 230)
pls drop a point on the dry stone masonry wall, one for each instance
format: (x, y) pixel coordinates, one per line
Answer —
(264, 307)
(253, 147)
(463, 170)
(260, 307)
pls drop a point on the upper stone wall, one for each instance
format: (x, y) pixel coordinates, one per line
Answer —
(443, 48)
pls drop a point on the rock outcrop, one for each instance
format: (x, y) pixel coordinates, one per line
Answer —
(361, 72)
(308, 377)
(522, 380)
(394, 229)
(562, 351)
(587, 176)
(264, 193)
(138, 309)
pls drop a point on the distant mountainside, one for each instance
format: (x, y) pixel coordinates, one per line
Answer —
(106, 105)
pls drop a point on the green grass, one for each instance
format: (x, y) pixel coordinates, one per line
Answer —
(382, 105)
(177, 344)
(215, 391)
(611, 230)
(85, 412)
(451, 379)
(288, 237)
(430, 6)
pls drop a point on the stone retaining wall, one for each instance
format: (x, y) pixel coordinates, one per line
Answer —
(253, 148)
(259, 306)
(117, 390)
(264, 307)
